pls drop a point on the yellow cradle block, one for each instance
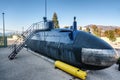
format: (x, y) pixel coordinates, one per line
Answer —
(71, 70)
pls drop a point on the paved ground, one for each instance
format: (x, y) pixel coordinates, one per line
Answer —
(31, 67)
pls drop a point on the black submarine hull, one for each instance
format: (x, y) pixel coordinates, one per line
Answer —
(77, 48)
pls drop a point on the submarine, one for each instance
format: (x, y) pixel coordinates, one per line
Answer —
(75, 47)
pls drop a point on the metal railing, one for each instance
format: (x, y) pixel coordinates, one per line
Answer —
(18, 45)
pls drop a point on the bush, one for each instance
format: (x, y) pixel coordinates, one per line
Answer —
(118, 62)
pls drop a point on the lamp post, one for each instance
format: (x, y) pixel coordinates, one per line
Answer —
(3, 28)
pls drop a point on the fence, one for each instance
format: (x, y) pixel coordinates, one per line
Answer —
(3, 42)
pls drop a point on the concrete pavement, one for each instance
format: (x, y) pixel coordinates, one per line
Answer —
(27, 66)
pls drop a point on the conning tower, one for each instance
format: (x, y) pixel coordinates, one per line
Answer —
(48, 24)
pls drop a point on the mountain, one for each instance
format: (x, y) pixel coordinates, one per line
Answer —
(7, 33)
(104, 27)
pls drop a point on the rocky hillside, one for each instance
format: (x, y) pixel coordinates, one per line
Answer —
(104, 27)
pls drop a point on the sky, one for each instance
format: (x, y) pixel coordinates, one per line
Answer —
(22, 13)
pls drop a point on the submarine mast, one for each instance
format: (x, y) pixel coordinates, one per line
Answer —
(74, 24)
(45, 18)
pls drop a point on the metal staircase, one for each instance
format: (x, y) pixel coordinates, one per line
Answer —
(20, 42)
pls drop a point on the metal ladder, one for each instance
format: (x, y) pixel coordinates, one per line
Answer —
(18, 44)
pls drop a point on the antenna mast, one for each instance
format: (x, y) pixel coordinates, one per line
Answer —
(46, 8)
(3, 28)
(45, 18)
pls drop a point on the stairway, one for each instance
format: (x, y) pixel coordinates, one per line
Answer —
(18, 44)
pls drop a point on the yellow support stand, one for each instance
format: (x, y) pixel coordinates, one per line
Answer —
(71, 70)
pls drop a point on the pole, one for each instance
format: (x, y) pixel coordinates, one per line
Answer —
(3, 28)
(45, 8)
(22, 29)
(45, 18)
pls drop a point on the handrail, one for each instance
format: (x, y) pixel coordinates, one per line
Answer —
(27, 34)
(29, 30)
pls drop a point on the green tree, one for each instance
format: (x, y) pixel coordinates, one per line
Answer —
(94, 27)
(117, 32)
(66, 26)
(55, 20)
(96, 30)
(87, 29)
(106, 33)
(110, 34)
(80, 28)
(99, 32)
